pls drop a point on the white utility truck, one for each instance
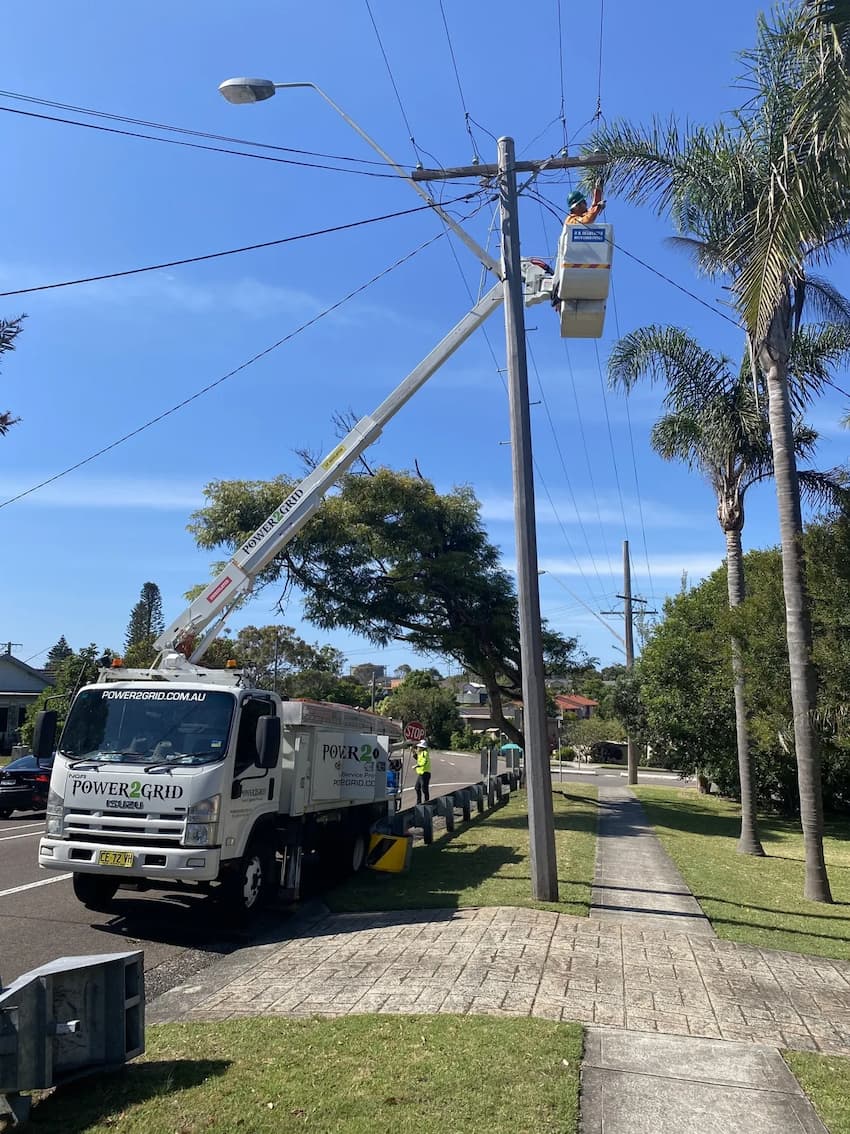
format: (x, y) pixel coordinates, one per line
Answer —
(192, 779)
(181, 775)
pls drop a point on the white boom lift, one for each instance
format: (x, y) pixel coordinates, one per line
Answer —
(208, 612)
(578, 288)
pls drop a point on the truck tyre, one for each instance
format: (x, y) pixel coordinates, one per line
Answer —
(358, 853)
(247, 888)
(95, 891)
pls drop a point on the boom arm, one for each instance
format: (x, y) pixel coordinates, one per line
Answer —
(210, 609)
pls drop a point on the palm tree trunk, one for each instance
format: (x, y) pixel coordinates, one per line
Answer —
(798, 626)
(749, 842)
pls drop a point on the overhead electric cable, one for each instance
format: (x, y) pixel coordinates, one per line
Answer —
(475, 153)
(599, 65)
(634, 458)
(224, 377)
(559, 451)
(611, 445)
(393, 82)
(196, 145)
(563, 107)
(218, 255)
(88, 112)
(679, 287)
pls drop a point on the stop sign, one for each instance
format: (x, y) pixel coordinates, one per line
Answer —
(414, 731)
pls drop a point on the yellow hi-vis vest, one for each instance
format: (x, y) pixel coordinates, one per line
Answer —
(423, 761)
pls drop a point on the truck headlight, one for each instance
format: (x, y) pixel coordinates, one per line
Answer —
(55, 822)
(202, 823)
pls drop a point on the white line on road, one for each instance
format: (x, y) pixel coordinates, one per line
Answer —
(33, 885)
(35, 824)
(27, 835)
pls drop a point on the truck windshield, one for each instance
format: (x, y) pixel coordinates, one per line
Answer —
(148, 726)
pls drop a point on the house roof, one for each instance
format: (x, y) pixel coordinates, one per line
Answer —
(575, 701)
(17, 677)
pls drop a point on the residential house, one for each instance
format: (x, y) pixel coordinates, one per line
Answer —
(20, 684)
(580, 707)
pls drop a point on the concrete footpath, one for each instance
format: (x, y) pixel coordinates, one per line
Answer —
(683, 1027)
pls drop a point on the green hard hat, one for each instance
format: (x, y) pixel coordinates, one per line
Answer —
(575, 197)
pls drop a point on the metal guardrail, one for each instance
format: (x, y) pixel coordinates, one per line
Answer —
(490, 792)
(75, 1016)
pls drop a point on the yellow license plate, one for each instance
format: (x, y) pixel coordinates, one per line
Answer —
(115, 858)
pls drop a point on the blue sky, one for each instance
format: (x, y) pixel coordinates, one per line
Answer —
(97, 361)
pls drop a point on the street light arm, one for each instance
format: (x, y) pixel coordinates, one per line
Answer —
(485, 257)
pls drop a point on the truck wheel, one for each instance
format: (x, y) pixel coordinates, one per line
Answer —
(95, 891)
(247, 889)
(358, 853)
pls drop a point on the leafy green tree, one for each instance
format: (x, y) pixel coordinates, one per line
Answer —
(390, 558)
(716, 425)
(759, 200)
(322, 685)
(145, 625)
(56, 653)
(72, 671)
(9, 331)
(420, 697)
(273, 655)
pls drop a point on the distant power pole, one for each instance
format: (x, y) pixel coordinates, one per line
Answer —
(628, 613)
(9, 646)
(541, 826)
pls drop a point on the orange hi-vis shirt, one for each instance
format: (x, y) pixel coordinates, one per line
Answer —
(584, 218)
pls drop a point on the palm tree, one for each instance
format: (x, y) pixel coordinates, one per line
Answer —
(716, 425)
(759, 200)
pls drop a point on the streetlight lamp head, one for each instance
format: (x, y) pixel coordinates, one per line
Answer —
(247, 90)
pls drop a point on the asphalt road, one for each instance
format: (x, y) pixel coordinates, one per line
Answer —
(40, 919)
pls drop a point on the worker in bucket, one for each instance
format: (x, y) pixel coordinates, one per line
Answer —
(423, 772)
(582, 213)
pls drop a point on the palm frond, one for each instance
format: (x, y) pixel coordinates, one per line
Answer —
(824, 489)
(669, 355)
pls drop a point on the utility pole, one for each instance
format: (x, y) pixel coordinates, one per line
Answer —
(628, 611)
(541, 828)
(9, 646)
(631, 755)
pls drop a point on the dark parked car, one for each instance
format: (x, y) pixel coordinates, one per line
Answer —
(23, 786)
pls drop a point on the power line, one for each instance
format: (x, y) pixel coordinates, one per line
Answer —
(393, 82)
(194, 145)
(599, 64)
(563, 462)
(218, 255)
(34, 100)
(634, 457)
(679, 287)
(563, 107)
(224, 377)
(475, 153)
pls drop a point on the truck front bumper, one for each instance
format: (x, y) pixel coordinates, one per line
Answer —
(190, 864)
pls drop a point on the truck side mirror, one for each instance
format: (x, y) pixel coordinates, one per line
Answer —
(44, 734)
(268, 742)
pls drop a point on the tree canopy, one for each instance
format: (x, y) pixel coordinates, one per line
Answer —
(9, 331)
(145, 625)
(390, 558)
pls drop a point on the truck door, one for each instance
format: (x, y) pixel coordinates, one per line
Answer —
(254, 790)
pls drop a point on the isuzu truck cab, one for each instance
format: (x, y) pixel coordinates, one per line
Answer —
(169, 778)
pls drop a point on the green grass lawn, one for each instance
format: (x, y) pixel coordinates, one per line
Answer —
(485, 863)
(824, 1078)
(755, 900)
(353, 1075)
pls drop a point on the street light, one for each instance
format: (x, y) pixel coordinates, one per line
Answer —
(243, 91)
(541, 826)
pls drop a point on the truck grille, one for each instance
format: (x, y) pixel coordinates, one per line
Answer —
(141, 830)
